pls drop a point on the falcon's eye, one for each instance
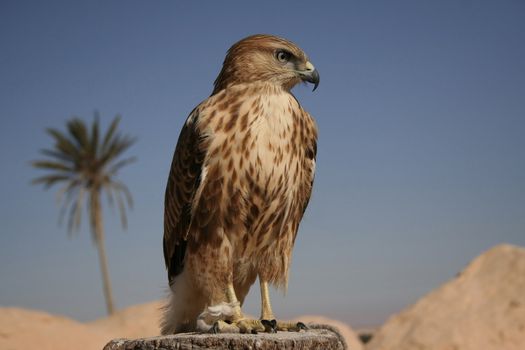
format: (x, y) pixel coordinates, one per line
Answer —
(283, 56)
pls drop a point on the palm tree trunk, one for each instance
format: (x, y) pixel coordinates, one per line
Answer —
(98, 230)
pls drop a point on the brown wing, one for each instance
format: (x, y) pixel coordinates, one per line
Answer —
(183, 180)
(310, 155)
(307, 182)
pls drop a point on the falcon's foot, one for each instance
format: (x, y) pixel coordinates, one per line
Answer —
(246, 325)
(243, 325)
(284, 326)
(291, 326)
(228, 318)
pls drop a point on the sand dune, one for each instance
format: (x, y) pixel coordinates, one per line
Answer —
(482, 308)
(28, 329)
(133, 322)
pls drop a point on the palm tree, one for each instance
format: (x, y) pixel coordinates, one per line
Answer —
(87, 165)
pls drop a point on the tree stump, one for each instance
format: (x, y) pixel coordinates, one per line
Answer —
(326, 338)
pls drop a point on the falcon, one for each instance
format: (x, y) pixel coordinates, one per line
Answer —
(240, 181)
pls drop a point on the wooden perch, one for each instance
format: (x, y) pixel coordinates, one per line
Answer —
(318, 337)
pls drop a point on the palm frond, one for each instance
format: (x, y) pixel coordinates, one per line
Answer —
(122, 211)
(114, 143)
(116, 147)
(50, 180)
(57, 154)
(75, 213)
(110, 196)
(121, 187)
(78, 209)
(123, 196)
(70, 191)
(63, 144)
(111, 130)
(125, 143)
(121, 163)
(50, 165)
(78, 130)
(95, 134)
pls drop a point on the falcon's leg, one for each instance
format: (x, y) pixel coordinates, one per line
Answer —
(237, 323)
(266, 306)
(267, 318)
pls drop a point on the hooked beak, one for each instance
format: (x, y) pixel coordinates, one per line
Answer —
(310, 74)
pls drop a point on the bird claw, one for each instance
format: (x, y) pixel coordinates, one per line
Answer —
(215, 329)
(270, 326)
(290, 326)
(301, 326)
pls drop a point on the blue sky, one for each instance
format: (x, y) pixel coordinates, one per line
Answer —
(421, 162)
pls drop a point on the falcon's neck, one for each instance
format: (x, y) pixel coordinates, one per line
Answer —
(252, 88)
(229, 78)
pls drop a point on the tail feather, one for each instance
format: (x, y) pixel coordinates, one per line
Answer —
(182, 307)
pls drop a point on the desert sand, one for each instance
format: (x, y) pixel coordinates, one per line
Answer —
(28, 329)
(25, 329)
(482, 308)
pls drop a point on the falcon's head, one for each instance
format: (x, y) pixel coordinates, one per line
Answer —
(266, 58)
